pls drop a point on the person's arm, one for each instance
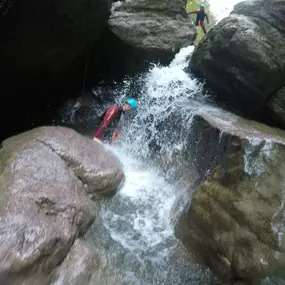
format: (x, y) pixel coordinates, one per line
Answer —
(206, 15)
(193, 12)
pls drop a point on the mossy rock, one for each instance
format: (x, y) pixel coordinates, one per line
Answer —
(235, 223)
(149, 6)
(172, 5)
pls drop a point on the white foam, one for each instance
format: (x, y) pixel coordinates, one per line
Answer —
(149, 198)
(182, 58)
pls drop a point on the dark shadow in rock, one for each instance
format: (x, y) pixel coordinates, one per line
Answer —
(113, 59)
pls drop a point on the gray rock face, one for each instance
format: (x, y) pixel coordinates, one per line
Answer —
(79, 264)
(152, 25)
(235, 224)
(46, 178)
(243, 57)
(45, 39)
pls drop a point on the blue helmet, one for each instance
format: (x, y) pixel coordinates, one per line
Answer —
(132, 102)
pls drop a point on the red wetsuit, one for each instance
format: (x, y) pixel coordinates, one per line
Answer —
(109, 122)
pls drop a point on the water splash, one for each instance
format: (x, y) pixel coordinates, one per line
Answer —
(135, 234)
(256, 153)
(167, 98)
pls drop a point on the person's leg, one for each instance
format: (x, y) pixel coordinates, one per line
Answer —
(108, 135)
(203, 27)
(197, 23)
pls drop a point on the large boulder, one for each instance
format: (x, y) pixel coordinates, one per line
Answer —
(48, 40)
(152, 25)
(243, 57)
(141, 32)
(235, 222)
(47, 177)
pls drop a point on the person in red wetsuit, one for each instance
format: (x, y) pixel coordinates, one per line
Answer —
(109, 121)
(201, 15)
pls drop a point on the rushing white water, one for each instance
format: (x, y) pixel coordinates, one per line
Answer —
(164, 94)
(135, 233)
(135, 229)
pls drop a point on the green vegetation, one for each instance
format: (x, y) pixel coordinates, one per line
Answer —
(195, 5)
(147, 5)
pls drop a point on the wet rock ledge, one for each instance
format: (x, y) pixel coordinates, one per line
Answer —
(48, 179)
(235, 223)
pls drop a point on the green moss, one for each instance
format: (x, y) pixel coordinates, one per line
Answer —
(202, 213)
(79, 172)
(6, 159)
(147, 6)
(159, 6)
(234, 186)
(214, 189)
(129, 4)
(148, 14)
(239, 204)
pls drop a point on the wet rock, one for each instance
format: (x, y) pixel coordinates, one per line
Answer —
(82, 113)
(243, 56)
(140, 33)
(277, 105)
(48, 41)
(152, 25)
(78, 266)
(47, 176)
(178, 167)
(239, 283)
(235, 223)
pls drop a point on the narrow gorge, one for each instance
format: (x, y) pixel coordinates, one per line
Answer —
(193, 191)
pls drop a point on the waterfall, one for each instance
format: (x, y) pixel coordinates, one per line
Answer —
(134, 232)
